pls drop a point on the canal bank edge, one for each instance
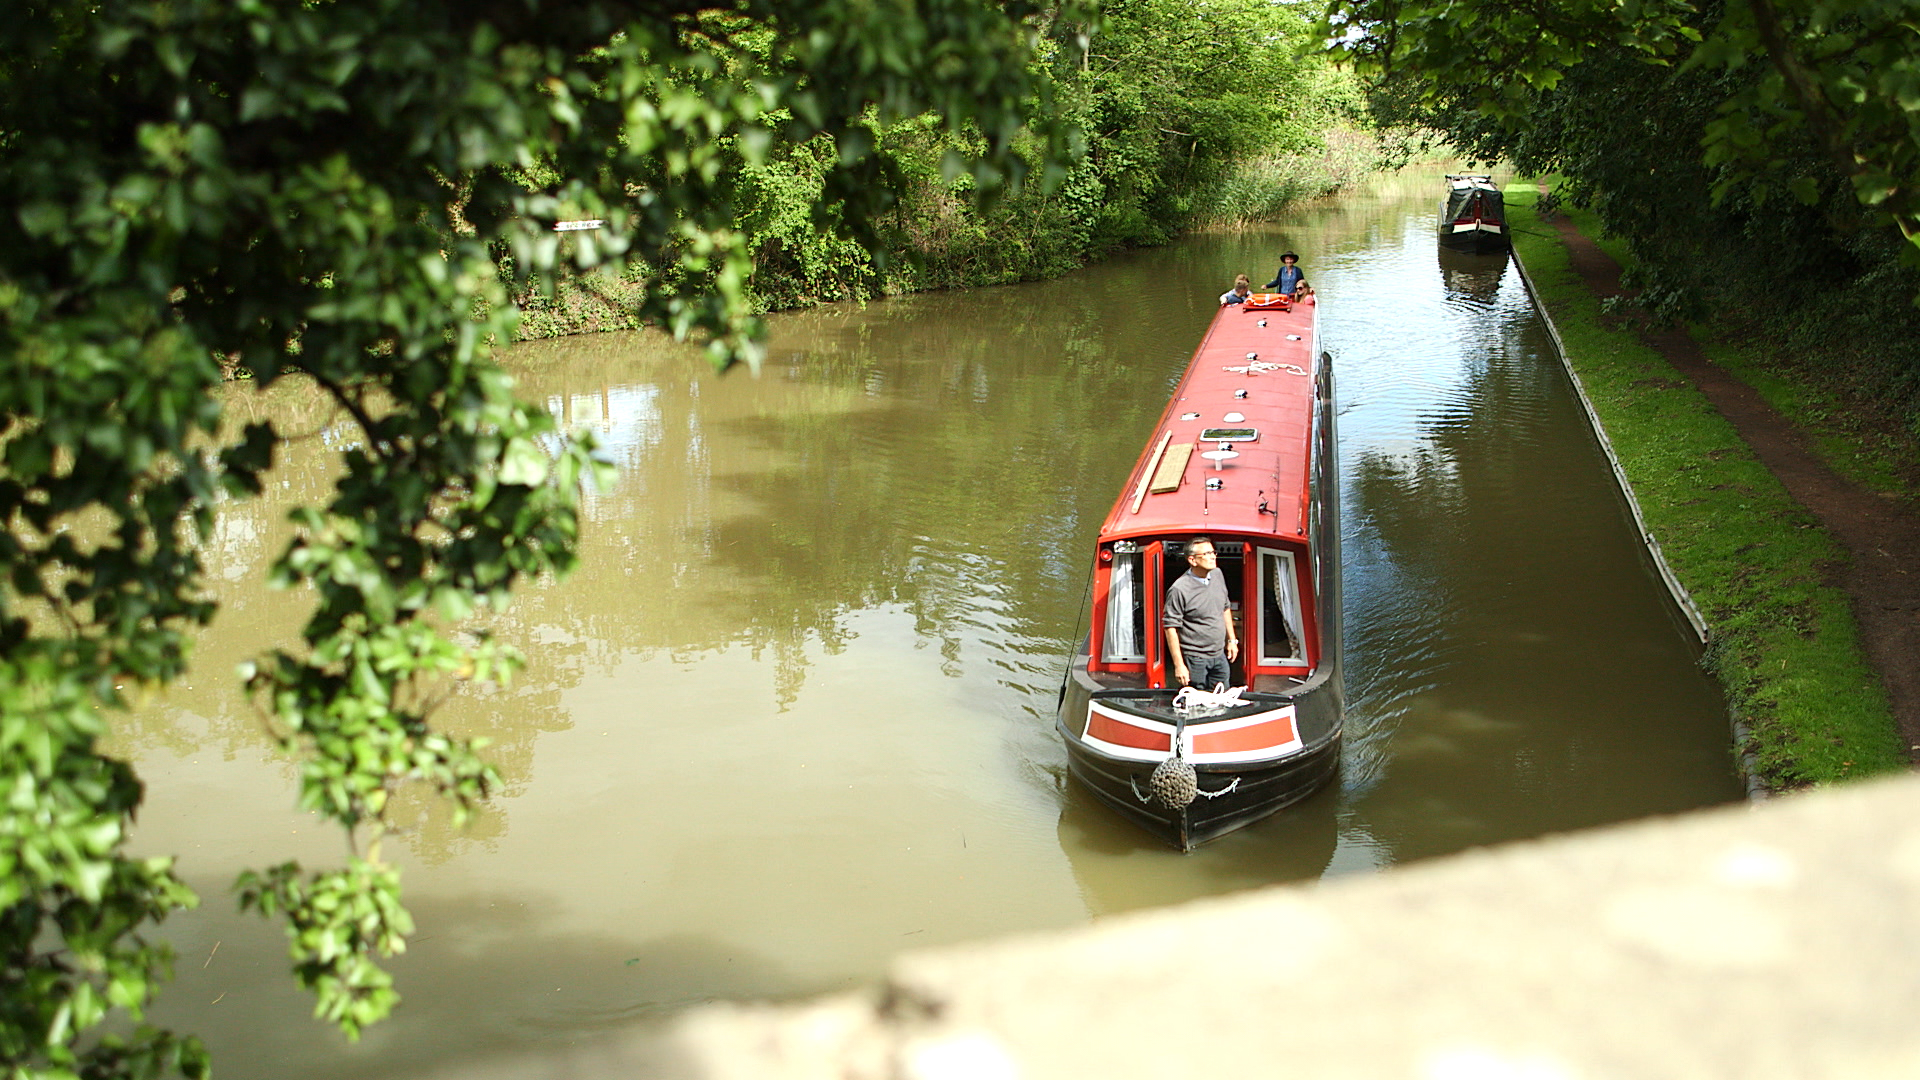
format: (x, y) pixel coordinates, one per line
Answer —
(1684, 606)
(1750, 569)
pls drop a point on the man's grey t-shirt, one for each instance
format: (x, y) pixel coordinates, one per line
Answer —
(1196, 606)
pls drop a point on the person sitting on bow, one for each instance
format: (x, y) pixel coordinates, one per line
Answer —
(1242, 288)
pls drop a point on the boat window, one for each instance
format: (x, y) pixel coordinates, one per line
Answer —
(1126, 616)
(1280, 639)
(1230, 434)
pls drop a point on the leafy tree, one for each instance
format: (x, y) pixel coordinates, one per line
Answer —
(1189, 111)
(1176, 92)
(1701, 159)
(202, 189)
(1844, 75)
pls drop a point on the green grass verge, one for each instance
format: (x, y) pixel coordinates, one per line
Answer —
(1877, 460)
(1785, 645)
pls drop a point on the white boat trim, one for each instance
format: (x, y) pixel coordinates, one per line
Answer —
(1165, 730)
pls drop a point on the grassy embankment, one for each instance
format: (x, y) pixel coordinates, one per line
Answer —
(1784, 643)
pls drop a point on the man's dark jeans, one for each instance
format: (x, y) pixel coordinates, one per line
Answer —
(1206, 672)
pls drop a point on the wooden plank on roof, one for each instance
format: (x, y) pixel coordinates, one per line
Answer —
(1172, 467)
(1146, 474)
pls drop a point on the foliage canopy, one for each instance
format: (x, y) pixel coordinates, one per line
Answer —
(1748, 151)
(202, 189)
(1842, 75)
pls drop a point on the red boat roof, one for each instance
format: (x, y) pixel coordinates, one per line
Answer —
(1256, 363)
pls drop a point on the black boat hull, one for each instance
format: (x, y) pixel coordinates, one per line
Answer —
(1245, 794)
(1475, 242)
(1232, 794)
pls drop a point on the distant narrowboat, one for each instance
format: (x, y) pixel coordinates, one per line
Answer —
(1244, 455)
(1473, 216)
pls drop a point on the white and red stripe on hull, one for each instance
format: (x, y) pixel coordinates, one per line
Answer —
(1259, 736)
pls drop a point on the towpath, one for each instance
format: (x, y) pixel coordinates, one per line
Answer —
(1882, 535)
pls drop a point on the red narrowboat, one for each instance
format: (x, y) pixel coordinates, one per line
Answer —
(1245, 456)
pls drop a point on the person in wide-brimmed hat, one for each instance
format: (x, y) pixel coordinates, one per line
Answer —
(1289, 280)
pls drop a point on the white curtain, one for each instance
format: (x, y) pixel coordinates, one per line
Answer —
(1123, 628)
(1280, 570)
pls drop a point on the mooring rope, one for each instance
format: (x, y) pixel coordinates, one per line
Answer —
(1191, 700)
(1255, 367)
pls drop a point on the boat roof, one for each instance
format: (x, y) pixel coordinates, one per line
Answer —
(1250, 385)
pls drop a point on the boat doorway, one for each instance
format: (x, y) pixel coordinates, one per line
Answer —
(1232, 564)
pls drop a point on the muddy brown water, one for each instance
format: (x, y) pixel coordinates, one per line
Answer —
(793, 714)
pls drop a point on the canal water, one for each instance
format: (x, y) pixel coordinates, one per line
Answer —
(793, 714)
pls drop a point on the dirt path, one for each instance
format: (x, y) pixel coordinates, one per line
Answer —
(1884, 576)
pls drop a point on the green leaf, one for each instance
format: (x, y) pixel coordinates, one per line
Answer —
(524, 463)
